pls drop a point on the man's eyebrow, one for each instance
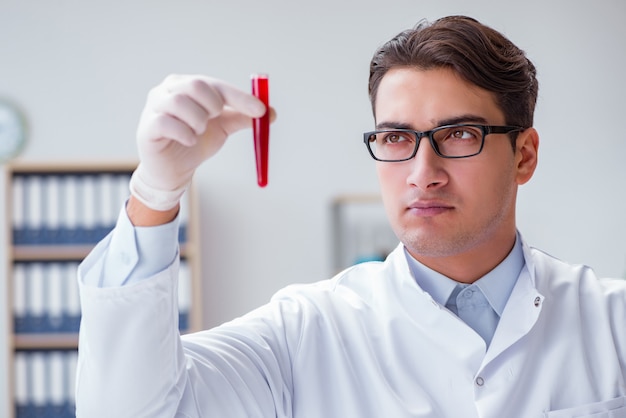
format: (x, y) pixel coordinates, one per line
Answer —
(393, 125)
(463, 119)
(442, 122)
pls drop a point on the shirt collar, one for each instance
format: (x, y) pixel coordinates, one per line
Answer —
(496, 285)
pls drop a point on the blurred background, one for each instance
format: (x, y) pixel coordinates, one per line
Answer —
(80, 72)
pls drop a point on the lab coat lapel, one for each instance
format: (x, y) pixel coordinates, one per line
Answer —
(440, 326)
(520, 313)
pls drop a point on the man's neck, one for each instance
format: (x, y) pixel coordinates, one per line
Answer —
(469, 266)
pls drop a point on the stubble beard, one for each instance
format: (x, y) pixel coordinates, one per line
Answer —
(448, 241)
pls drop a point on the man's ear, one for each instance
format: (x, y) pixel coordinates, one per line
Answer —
(526, 149)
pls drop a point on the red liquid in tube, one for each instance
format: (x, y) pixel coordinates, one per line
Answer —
(261, 128)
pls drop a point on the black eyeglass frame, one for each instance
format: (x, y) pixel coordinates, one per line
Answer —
(486, 130)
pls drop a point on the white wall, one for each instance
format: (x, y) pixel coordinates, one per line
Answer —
(81, 71)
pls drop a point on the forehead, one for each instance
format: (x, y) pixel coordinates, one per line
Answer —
(424, 98)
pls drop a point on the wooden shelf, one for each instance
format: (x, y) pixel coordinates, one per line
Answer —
(50, 252)
(45, 341)
(65, 252)
(77, 167)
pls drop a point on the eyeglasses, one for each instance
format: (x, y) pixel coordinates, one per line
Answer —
(450, 141)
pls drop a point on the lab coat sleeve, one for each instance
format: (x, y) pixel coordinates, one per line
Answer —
(130, 358)
(133, 363)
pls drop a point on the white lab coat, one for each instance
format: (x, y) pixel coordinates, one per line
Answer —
(367, 343)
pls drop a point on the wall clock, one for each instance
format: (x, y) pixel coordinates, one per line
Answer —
(12, 131)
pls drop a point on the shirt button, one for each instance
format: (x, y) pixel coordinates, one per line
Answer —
(537, 301)
(468, 293)
(479, 381)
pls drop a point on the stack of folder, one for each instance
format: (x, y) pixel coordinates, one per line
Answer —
(66, 208)
(45, 297)
(45, 383)
(46, 301)
(69, 209)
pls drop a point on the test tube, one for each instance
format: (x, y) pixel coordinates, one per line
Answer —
(261, 128)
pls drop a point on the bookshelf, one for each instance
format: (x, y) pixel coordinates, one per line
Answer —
(55, 213)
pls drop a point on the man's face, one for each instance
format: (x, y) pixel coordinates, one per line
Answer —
(448, 211)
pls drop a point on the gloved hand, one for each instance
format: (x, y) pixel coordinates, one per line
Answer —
(186, 120)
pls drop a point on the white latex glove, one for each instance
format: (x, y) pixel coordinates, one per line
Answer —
(186, 120)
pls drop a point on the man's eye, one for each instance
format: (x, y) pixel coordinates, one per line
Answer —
(394, 137)
(463, 134)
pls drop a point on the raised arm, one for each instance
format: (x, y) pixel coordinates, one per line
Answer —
(131, 360)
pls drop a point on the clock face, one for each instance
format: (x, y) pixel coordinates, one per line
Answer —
(12, 135)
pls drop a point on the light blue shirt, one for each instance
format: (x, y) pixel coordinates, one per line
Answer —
(135, 253)
(480, 304)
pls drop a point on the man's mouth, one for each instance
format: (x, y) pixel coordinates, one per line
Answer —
(428, 208)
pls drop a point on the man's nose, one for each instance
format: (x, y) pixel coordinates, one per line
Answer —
(427, 170)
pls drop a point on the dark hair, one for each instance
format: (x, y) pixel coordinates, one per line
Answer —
(477, 53)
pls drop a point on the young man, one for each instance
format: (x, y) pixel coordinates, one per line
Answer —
(463, 319)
